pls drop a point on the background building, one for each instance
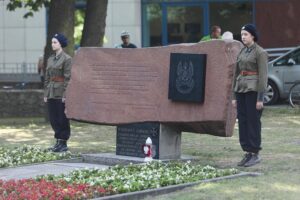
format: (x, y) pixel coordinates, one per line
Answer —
(174, 21)
(154, 23)
(21, 40)
(123, 15)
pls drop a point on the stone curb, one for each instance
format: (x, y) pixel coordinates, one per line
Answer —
(168, 189)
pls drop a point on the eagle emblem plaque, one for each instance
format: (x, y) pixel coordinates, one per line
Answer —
(187, 77)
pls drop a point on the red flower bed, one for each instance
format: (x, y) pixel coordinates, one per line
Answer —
(50, 190)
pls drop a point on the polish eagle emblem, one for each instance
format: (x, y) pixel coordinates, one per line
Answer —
(184, 80)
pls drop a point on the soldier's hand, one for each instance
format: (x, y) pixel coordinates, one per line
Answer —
(259, 105)
(233, 102)
(45, 99)
(63, 100)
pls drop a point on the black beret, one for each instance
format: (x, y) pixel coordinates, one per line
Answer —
(61, 39)
(252, 30)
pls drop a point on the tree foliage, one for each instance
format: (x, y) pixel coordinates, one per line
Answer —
(61, 19)
(31, 6)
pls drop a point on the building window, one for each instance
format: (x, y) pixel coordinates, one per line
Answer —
(176, 21)
(184, 24)
(231, 16)
(152, 25)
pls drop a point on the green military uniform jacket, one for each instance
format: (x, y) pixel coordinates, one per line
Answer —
(251, 71)
(57, 77)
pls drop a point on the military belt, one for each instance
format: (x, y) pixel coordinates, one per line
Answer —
(248, 73)
(57, 79)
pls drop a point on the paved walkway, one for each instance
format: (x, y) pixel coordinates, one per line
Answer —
(56, 168)
(64, 167)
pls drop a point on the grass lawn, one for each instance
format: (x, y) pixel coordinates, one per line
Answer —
(280, 154)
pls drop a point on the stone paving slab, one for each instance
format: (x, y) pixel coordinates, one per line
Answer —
(100, 161)
(56, 168)
(113, 159)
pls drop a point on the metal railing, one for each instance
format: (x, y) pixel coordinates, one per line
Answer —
(18, 74)
(18, 68)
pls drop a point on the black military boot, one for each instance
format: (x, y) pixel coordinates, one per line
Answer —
(61, 147)
(54, 146)
(246, 158)
(255, 159)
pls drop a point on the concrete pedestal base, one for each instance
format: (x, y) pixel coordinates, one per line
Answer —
(169, 142)
(166, 140)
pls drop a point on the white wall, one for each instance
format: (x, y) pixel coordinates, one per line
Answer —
(123, 15)
(21, 40)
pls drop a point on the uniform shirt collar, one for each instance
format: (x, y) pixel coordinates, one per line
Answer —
(249, 49)
(56, 57)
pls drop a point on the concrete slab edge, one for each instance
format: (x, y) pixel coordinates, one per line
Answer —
(168, 189)
(107, 161)
(72, 160)
(112, 159)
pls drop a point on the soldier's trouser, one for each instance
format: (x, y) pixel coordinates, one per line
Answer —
(58, 120)
(249, 122)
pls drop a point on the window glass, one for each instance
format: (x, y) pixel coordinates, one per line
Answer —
(184, 24)
(293, 57)
(152, 22)
(231, 16)
(187, 23)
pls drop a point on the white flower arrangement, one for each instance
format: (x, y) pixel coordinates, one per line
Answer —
(27, 154)
(140, 177)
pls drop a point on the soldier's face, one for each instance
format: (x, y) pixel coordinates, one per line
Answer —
(247, 38)
(55, 44)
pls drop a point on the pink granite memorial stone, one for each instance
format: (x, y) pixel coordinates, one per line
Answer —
(121, 86)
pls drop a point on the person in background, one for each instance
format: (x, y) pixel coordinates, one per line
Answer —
(41, 69)
(57, 77)
(227, 35)
(125, 37)
(215, 33)
(249, 84)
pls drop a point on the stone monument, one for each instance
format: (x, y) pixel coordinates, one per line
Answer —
(162, 90)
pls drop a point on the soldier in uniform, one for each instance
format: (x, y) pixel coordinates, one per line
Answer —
(57, 76)
(249, 83)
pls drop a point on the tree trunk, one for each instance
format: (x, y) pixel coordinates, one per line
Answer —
(94, 23)
(61, 20)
